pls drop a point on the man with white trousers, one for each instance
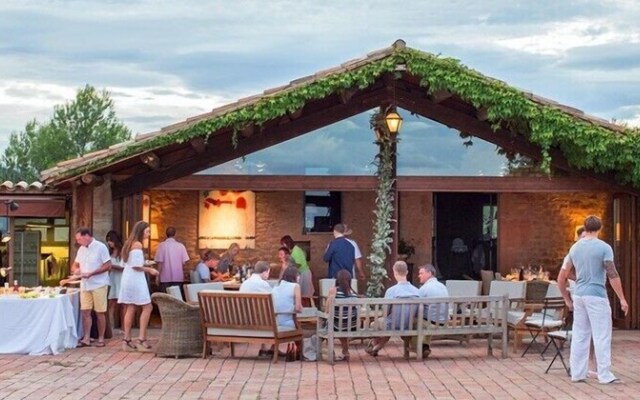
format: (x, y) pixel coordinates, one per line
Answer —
(592, 259)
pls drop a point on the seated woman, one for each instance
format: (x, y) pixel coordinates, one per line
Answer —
(347, 320)
(287, 297)
(226, 258)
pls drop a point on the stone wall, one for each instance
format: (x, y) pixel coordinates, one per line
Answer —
(539, 228)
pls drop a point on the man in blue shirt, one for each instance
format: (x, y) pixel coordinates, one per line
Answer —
(593, 261)
(340, 254)
(400, 316)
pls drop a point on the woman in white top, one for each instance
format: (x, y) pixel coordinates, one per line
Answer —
(134, 291)
(114, 243)
(287, 297)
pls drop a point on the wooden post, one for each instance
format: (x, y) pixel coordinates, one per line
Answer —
(81, 216)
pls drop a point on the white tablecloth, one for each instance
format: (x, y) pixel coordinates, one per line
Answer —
(38, 326)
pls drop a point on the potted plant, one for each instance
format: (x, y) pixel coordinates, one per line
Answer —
(405, 250)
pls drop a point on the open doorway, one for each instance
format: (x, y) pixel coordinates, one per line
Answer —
(465, 233)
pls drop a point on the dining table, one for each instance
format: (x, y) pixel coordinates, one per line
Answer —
(48, 324)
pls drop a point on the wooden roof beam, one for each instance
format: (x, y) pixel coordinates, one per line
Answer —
(198, 144)
(220, 149)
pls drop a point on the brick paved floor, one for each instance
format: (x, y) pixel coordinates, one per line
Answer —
(453, 371)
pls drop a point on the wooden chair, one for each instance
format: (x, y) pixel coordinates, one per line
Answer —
(236, 317)
(463, 288)
(516, 313)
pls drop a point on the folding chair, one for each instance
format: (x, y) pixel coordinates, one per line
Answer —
(550, 319)
(559, 339)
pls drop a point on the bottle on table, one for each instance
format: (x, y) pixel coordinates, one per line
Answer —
(16, 288)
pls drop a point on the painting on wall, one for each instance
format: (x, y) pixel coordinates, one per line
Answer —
(227, 217)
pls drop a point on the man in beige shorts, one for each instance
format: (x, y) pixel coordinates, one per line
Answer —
(93, 262)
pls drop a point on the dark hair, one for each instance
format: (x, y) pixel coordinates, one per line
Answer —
(285, 249)
(287, 241)
(116, 239)
(592, 224)
(290, 275)
(84, 231)
(210, 255)
(137, 235)
(343, 282)
(171, 232)
(580, 230)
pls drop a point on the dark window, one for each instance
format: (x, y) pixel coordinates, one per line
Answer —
(321, 211)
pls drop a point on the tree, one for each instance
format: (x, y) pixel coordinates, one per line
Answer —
(86, 124)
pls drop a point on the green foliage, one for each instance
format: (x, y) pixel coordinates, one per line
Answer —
(381, 240)
(86, 124)
(584, 144)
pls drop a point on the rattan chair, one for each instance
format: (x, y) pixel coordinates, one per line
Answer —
(181, 331)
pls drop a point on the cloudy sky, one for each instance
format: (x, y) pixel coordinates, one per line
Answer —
(164, 61)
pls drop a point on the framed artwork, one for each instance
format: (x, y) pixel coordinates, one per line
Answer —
(226, 217)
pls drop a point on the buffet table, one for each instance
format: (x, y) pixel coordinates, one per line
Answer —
(44, 325)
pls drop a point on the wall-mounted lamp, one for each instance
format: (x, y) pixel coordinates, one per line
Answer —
(151, 159)
(5, 237)
(154, 232)
(11, 205)
(387, 128)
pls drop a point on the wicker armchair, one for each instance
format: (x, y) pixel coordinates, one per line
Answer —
(181, 331)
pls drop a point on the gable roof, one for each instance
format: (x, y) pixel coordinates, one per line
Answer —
(418, 81)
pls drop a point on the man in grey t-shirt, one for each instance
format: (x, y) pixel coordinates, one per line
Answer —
(592, 259)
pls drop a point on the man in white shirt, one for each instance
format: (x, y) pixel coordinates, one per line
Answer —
(257, 282)
(434, 314)
(92, 263)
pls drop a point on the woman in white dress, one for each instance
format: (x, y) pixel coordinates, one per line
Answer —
(114, 243)
(134, 291)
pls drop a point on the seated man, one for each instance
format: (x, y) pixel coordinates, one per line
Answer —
(436, 313)
(257, 282)
(208, 263)
(399, 317)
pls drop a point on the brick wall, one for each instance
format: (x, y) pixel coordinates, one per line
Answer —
(539, 228)
(533, 228)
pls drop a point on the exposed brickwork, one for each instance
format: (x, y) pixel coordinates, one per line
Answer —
(179, 209)
(539, 228)
(533, 228)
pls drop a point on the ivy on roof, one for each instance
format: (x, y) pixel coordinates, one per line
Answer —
(585, 145)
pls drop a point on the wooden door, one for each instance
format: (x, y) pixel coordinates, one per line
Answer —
(625, 248)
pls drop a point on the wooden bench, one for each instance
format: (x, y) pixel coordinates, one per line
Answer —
(235, 317)
(484, 315)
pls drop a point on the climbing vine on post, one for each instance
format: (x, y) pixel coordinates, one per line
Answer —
(380, 242)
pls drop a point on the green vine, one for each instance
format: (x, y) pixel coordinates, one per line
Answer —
(584, 144)
(382, 232)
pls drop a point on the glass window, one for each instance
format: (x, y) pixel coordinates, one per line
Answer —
(321, 211)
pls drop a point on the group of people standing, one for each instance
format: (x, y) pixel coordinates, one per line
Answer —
(115, 275)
